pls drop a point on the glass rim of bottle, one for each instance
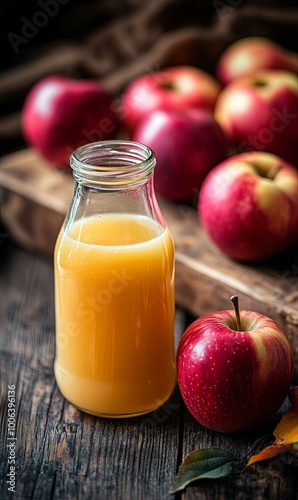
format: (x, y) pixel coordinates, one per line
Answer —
(112, 163)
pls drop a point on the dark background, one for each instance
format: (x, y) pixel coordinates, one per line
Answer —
(77, 18)
(116, 40)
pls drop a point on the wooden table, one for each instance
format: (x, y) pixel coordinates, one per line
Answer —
(35, 197)
(62, 453)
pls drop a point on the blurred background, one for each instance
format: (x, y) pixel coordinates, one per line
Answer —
(117, 40)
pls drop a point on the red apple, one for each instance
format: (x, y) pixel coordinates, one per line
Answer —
(234, 375)
(171, 89)
(261, 113)
(61, 114)
(187, 144)
(248, 205)
(250, 55)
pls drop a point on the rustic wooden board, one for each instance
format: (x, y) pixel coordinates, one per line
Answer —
(266, 481)
(34, 201)
(64, 454)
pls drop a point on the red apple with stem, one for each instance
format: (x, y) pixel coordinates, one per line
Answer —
(187, 143)
(248, 205)
(60, 114)
(234, 369)
(249, 55)
(171, 88)
(261, 113)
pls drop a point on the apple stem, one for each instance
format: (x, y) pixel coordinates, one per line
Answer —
(273, 172)
(235, 302)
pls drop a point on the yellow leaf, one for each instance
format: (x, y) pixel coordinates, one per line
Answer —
(287, 429)
(269, 452)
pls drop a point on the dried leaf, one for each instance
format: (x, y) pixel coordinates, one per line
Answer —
(287, 429)
(210, 463)
(268, 452)
(293, 396)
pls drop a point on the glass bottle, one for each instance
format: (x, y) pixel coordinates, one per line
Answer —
(114, 286)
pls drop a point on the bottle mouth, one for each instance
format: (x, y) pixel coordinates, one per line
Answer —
(112, 163)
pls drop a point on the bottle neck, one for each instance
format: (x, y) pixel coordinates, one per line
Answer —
(113, 165)
(114, 177)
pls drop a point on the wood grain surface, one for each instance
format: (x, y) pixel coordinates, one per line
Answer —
(35, 198)
(63, 454)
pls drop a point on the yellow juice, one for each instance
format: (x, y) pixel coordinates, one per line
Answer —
(114, 292)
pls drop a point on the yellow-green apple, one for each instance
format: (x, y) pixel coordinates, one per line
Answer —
(61, 114)
(247, 56)
(187, 144)
(170, 88)
(248, 206)
(234, 375)
(261, 113)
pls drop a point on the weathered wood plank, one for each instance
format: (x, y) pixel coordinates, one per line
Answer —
(62, 453)
(35, 198)
(276, 479)
(206, 279)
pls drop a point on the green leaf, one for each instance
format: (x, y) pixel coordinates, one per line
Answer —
(210, 463)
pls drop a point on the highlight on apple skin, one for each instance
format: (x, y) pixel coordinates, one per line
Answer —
(249, 55)
(261, 113)
(187, 143)
(248, 205)
(60, 114)
(234, 380)
(169, 89)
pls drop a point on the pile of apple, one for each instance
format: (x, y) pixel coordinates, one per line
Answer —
(233, 141)
(248, 202)
(230, 139)
(61, 114)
